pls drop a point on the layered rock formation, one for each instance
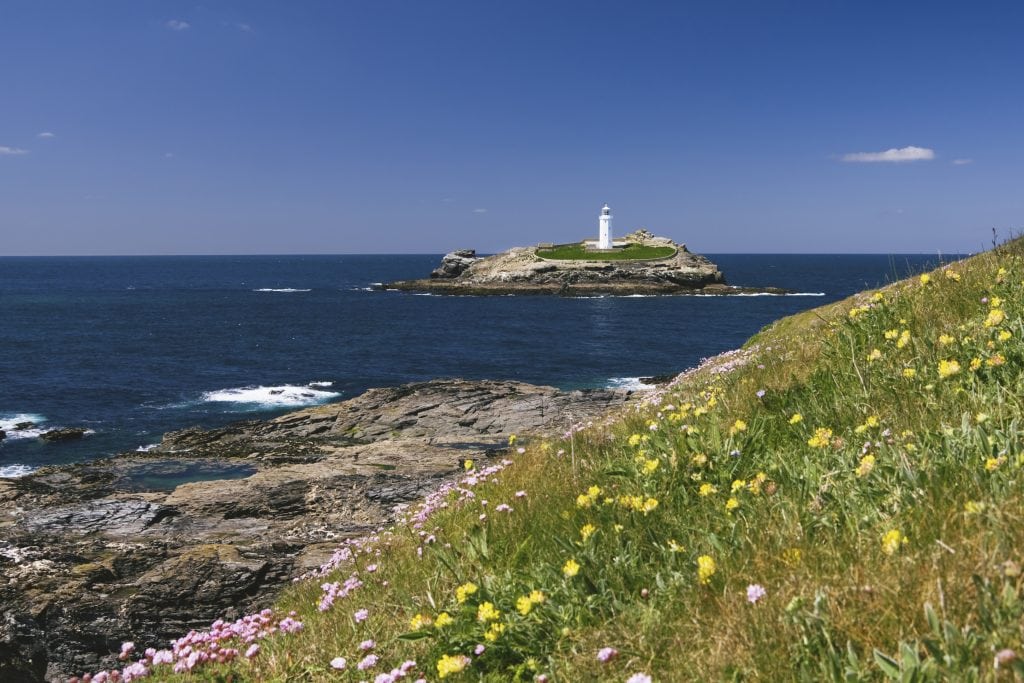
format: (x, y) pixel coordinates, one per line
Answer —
(91, 557)
(523, 271)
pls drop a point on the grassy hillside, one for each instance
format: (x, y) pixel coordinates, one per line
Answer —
(630, 252)
(841, 499)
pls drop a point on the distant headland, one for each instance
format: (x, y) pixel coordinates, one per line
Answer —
(638, 264)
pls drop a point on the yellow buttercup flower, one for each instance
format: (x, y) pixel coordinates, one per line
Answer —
(926, 278)
(1004, 335)
(892, 541)
(706, 568)
(707, 489)
(948, 368)
(731, 504)
(995, 318)
(946, 340)
(494, 632)
(419, 621)
(909, 372)
(571, 568)
(867, 463)
(874, 355)
(797, 417)
(821, 439)
(487, 612)
(451, 664)
(443, 619)
(587, 530)
(463, 592)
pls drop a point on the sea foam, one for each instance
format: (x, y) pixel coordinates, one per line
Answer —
(8, 420)
(15, 471)
(257, 397)
(630, 383)
(283, 289)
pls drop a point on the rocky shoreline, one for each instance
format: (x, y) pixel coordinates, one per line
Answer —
(91, 559)
(524, 271)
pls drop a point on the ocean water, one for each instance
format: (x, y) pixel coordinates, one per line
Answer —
(132, 347)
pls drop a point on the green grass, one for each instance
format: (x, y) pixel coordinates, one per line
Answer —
(840, 460)
(630, 252)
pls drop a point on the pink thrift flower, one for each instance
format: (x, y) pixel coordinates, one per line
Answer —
(639, 678)
(520, 494)
(607, 654)
(520, 450)
(371, 568)
(253, 650)
(755, 592)
(338, 663)
(367, 645)
(479, 650)
(503, 508)
(360, 616)
(368, 662)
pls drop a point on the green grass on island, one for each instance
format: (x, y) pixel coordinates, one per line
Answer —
(630, 252)
(841, 499)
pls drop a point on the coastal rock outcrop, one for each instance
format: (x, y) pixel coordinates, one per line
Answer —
(94, 554)
(660, 267)
(63, 434)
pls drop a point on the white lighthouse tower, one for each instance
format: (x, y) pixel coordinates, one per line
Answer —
(604, 240)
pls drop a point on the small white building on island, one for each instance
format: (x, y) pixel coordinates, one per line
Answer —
(604, 232)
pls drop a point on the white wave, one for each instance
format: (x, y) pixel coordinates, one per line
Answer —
(321, 384)
(15, 471)
(285, 395)
(9, 420)
(763, 294)
(630, 383)
(148, 447)
(283, 289)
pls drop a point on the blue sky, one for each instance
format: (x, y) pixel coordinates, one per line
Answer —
(377, 126)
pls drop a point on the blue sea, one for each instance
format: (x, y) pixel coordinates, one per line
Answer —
(132, 347)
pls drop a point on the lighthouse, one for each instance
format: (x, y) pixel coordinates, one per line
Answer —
(604, 240)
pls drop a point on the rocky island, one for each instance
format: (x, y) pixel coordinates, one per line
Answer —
(91, 555)
(638, 264)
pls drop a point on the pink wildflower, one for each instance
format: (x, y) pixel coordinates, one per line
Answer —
(607, 654)
(367, 645)
(368, 662)
(338, 663)
(639, 678)
(253, 650)
(479, 650)
(360, 616)
(520, 494)
(755, 592)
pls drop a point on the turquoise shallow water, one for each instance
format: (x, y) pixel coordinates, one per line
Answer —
(131, 347)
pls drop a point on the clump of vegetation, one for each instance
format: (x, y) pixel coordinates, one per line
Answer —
(840, 500)
(630, 252)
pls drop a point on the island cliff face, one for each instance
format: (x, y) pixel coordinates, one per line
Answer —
(524, 270)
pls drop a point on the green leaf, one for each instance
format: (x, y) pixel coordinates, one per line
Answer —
(415, 635)
(887, 664)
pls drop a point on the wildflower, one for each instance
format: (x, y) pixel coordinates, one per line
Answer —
(755, 592)
(821, 439)
(926, 278)
(367, 645)
(874, 355)
(909, 372)
(995, 360)
(479, 649)
(503, 507)
(464, 591)
(419, 621)
(891, 334)
(634, 440)
(639, 678)
(520, 494)
(1004, 335)
(867, 463)
(451, 664)
(981, 418)
(737, 484)
(948, 368)
(792, 555)
(797, 417)
(443, 619)
(524, 605)
(571, 568)
(584, 501)
(952, 275)
(511, 439)
(1005, 657)
(1000, 275)
(699, 459)
(975, 364)
(738, 426)
(706, 568)
(650, 466)
(367, 662)
(360, 616)
(675, 547)
(468, 465)
(945, 340)
(607, 654)
(760, 393)
(995, 318)
(494, 632)
(487, 612)
(520, 450)
(973, 507)
(336, 663)
(649, 505)
(903, 340)
(587, 530)
(993, 464)
(731, 504)
(892, 541)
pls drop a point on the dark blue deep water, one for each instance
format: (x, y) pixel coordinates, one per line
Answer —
(131, 347)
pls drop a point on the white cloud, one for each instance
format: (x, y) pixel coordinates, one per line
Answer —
(892, 155)
(177, 25)
(243, 27)
(11, 151)
(962, 162)
(46, 135)
(168, 155)
(479, 210)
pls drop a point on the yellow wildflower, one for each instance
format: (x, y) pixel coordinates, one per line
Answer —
(867, 463)
(926, 278)
(707, 489)
(948, 368)
(877, 296)
(1000, 275)
(537, 597)
(649, 505)
(737, 484)
(981, 418)
(463, 592)
(675, 547)
(952, 275)
(756, 482)
(494, 632)
(419, 621)
(731, 504)
(468, 464)
(1005, 335)
(634, 440)
(511, 439)
(583, 501)
(995, 302)
(972, 507)
(874, 355)
(792, 555)
(909, 372)
(797, 417)
(992, 464)
(995, 360)
(945, 339)
(903, 340)
(699, 459)
(857, 310)
(571, 568)
(650, 466)
(995, 318)
(975, 364)
(892, 541)
(451, 664)
(738, 426)
(487, 612)
(706, 568)
(821, 439)
(443, 619)
(891, 334)
(587, 530)
(594, 491)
